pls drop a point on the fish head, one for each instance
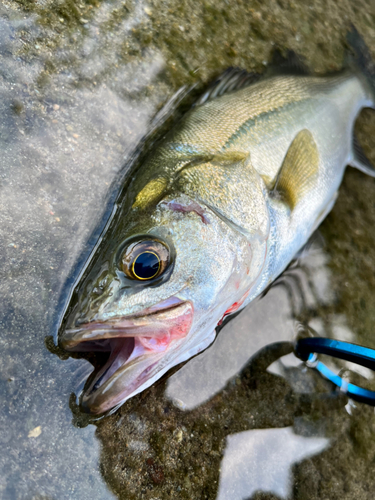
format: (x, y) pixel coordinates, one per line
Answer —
(152, 294)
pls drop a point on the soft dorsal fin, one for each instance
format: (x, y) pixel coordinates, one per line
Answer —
(231, 79)
(299, 171)
(360, 160)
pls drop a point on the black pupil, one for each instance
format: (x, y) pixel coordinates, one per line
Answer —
(146, 265)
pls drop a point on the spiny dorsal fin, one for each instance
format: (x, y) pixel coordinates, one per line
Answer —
(236, 78)
(360, 160)
(288, 64)
(299, 170)
(231, 79)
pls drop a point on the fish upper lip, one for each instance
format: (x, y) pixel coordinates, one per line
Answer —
(132, 325)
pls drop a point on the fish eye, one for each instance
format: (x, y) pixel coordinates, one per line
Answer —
(146, 265)
(145, 260)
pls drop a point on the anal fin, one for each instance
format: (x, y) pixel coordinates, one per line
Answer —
(299, 171)
(325, 211)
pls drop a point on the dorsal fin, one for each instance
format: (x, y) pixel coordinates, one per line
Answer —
(236, 78)
(360, 58)
(231, 79)
(299, 171)
(288, 64)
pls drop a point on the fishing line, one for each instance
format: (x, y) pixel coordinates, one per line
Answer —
(307, 349)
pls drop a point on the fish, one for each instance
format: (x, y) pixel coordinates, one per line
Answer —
(212, 216)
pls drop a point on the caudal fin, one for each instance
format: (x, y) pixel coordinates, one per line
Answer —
(361, 59)
(359, 159)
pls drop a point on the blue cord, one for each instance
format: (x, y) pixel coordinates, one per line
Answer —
(306, 349)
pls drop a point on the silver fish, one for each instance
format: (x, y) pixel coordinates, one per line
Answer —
(214, 214)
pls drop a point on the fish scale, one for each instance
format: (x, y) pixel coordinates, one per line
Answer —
(220, 119)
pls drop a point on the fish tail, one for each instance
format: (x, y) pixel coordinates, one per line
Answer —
(360, 59)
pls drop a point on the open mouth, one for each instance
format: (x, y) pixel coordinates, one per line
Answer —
(136, 344)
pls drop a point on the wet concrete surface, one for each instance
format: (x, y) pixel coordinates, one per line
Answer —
(79, 84)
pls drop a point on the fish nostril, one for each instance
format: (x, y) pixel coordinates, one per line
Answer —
(97, 301)
(81, 320)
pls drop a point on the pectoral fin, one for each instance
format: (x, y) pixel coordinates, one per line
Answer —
(151, 193)
(299, 172)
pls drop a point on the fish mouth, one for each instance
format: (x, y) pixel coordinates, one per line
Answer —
(137, 346)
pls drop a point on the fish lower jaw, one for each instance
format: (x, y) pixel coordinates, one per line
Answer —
(123, 372)
(136, 346)
(150, 368)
